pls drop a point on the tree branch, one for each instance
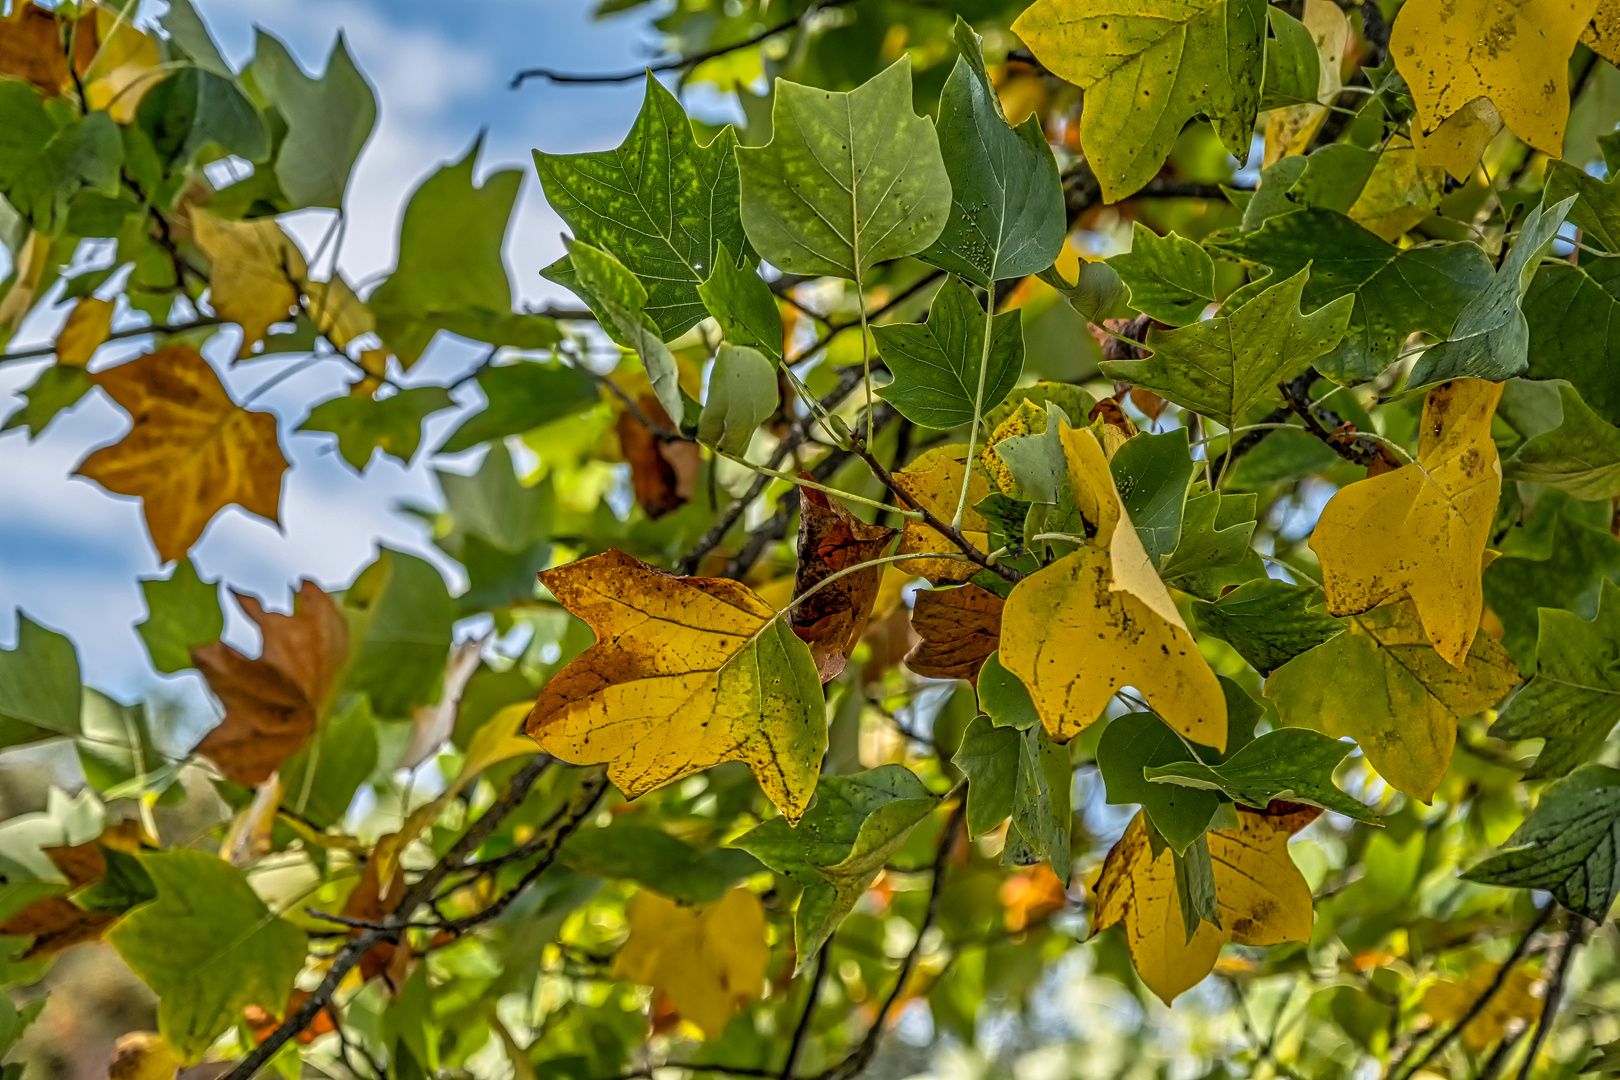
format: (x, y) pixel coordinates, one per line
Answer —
(1574, 938)
(117, 335)
(678, 63)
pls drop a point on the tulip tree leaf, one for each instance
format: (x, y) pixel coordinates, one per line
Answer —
(522, 397)
(329, 119)
(1138, 741)
(936, 364)
(183, 613)
(743, 394)
(620, 294)
(1569, 310)
(743, 305)
(1171, 278)
(39, 686)
(847, 181)
(1580, 456)
(364, 425)
(1152, 473)
(1295, 764)
(1268, 622)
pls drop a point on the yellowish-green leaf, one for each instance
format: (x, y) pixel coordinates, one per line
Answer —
(255, 273)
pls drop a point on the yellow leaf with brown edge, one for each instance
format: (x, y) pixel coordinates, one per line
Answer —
(832, 618)
(143, 1055)
(1460, 141)
(192, 452)
(1099, 619)
(85, 331)
(934, 479)
(1421, 529)
(1449, 1000)
(1261, 896)
(1515, 52)
(256, 273)
(31, 48)
(686, 672)
(708, 961)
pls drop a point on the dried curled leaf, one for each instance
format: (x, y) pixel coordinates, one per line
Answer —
(685, 673)
(272, 704)
(192, 451)
(1421, 529)
(959, 629)
(831, 539)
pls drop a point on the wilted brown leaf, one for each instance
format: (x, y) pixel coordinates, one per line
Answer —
(958, 628)
(192, 451)
(262, 1024)
(272, 703)
(663, 474)
(56, 923)
(831, 539)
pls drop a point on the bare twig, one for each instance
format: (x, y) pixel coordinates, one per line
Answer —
(823, 961)
(1574, 938)
(117, 335)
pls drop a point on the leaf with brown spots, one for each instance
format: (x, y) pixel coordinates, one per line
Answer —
(272, 704)
(663, 473)
(959, 628)
(686, 672)
(192, 451)
(1421, 529)
(1261, 896)
(832, 619)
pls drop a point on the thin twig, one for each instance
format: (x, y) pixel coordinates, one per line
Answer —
(823, 961)
(1574, 938)
(117, 335)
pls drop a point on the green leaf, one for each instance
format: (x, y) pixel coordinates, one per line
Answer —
(1330, 177)
(1022, 774)
(1223, 367)
(660, 204)
(1290, 763)
(43, 166)
(843, 840)
(1213, 549)
(1005, 697)
(189, 36)
(1170, 278)
(1491, 338)
(743, 304)
(39, 686)
(1597, 205)
(364, 425)
(125, 885)
(658, 861)
(1268, 622)
(1148, 69)
(743, 394)
(319, 781)
(1569, 310)
(1581, 456)
(613, 289)
(182, 612)
(328, 120)
(1568, 573)
(1138, 741)
(195, 111)
(1195, 885)
(399, 631)
(1567, 845)
(847, 181)
(988, 757)
(208, 947)
(1293, 66)
(1152, 473)
(58, 387)
(1007, 216)
(1036, 460)
(499, 529)
(450, 274)
(116, 748)
(1396, 291)
(522, 397)
(1574, 699)
(936, 364)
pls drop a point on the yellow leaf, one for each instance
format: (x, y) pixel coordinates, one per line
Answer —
(192, 450)
(686, 672)
(1515, 52)
(1021, 422)
(143, 1055)
(1289, 130)
(1099, 619)
(1421, 529)
(709, 961)
(25, 278)
(1602, 34)
(126, 66)
(1382, 684)
(257, 272)
(1449, 1000)
(935, 481)
(1460, 141)
(1401, 192)
(84, 332)
(337, 312)
(1261, 896)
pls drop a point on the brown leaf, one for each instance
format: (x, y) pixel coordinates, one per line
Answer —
(272, 703)
(262, 1025)
(664, 474)
(1108, 411)
(192, 450)
(831, 539)
(958, 627)
(31, 47)
(381, 888)
(56, 923)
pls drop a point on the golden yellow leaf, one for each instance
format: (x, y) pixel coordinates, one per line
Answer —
(1449, 1000)
(934, 479)
(1099, 619)
(1421, 529)
(257, 272)
(1260, 894)
(337, 312)
(192, 451)
(143, 1055)
(708, 961)
(1021, 422)
(126, 66)
(85, 331)
(1290, 129)
(686, 672)
(1515, 52)
(1602, 34)
(1460, 141)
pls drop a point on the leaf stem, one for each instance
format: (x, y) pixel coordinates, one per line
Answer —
(909, 515)
(978, 406)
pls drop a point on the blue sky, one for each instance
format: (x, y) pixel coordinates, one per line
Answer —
(71, 554)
